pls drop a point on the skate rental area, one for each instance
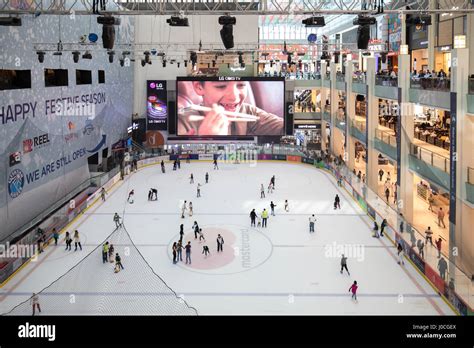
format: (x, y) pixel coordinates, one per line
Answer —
(189, 166)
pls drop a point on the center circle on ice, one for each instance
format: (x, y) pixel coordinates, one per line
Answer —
(244, 248)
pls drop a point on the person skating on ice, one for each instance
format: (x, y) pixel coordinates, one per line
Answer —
(337, 202)
(191, 179)
(154, 194)
(198, 190)
(178, 162)
(55, 236)
(190, 207)
(150, 195)
(205, 250)
(207, 178)
(382, 227)
(215, 165)
(287, 206)
(196, 229)
(262, 191)
(68, 241)
(272, 207)
(117, 220)
(162, 166)
(312, 220)
(34, 301)
(420, 245)
(183, 209)
(400, 253)
(376, 230)
(264, 218)
(111, 253)
(102, 194)
(181, 232)
(344, 264)
(354, 288)
(118, 263)
(105, 252)
(253, 216)
(130, 196)
(179, 250)
(272, 181)
(77, 240)
(270, 188)
(188, 252)
(175, 252)
(201, 235)
(220, 243)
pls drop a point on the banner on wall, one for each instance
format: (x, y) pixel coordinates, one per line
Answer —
(156, 105)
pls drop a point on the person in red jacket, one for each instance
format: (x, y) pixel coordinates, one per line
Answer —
(354, 288)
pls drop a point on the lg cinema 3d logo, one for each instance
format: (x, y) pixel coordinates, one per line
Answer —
(16, 181)
(39, 141)
(156, 85)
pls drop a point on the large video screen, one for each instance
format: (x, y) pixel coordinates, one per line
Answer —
(157, 108)
(230, 106)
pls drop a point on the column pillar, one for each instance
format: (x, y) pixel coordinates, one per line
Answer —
(405, 134)
(350, 115)
(333, 93)
(371, 125)
(432, 37)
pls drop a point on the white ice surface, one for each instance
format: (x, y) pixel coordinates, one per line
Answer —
(288, 270)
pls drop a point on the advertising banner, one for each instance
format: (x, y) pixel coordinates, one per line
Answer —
(206, 157)
(434, 278)
(264, 157)
(279, 157)
(456, 301)
(156, 105)
(293, 158)
(307, 160)
(371, 211)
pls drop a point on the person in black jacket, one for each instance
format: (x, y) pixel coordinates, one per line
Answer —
(118, 262)
(253, 216)
(220, 243)
(382, 227)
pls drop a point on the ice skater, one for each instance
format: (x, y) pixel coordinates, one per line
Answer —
(102, 194)
(105, 252)
(181, 232)
(162, 167)
(198, 190)
(272, 181)
(77, 240)
(207, 178)
(220, 243)
(118, 263)
(201, 235)
(312, 220)
(205, 250)
(272, 207)
(154, 194)
(376, 230)
(264, 218)
(354, 288)
(262, 191)
(215, 164)
(117, 220)
(179, 250)
(190, 208)
(191, 179)
(253, 216)
(337, 202)
(188, 252)
(175, 252)
(382, 227)
(150, 194)
(130, 197)
(287, 207)
(111, 253)
(196, 229)
(183, 209)
(270, 188)
(55, 236)
(400, 254)
(68, 241)
(420, 245)
(35, 303)
(344, 264)
(175, 165)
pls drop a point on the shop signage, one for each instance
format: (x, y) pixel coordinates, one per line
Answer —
(444, 48)
(307, 126)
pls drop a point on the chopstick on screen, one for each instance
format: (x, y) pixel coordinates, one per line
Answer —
(232, 119)
(235, 115)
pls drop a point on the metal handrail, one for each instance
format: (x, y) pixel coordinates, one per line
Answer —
(471, 85)
(386, 137)
(359, 78)
(442, 84)
(386, 80)
(430, 157)
(470, 175)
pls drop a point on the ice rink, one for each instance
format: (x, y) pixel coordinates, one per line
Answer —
(281, 269)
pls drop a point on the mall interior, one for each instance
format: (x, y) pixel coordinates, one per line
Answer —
(380, 92)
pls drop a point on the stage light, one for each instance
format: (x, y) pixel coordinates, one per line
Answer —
(122, 61)
(111, 56)
(147, 56)
(143, 62)
(226, 32)
(178, 21)
(75, 56)
(363, 37)
(40, 56)
(164, 63)
(314, 22)
(108, 30)
(87, 55)
(193, 58)
(185, 63)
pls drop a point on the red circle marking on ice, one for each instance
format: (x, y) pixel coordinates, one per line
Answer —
(215, 259)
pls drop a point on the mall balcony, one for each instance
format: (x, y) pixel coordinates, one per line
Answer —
(358, 129)
(470, 185)
(386, 87)
(359, 83)
(327, 113)
(385, 141)
(433, 166)
(340, 81)
(327, 80)
(341, 121)
(430, 91)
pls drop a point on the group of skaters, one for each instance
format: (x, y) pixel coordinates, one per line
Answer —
(187, 207)
(198, 190)
(271, 187)
(68, 239)
(108, 256)
(178, 246)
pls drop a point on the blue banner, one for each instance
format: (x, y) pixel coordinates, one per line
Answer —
(452, 159)
(399, 136)
(279, 157)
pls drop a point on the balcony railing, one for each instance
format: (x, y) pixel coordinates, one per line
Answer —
(340, 77)
(471, 85)
(434, 159)
(470, 175)
(360, 125)
(386, 137)
(382, 80)
(294, 76)
(328, 75)
(441, 84)
(359, 78)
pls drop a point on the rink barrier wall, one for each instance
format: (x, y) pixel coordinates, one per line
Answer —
(64, 217)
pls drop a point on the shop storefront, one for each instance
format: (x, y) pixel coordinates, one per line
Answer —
(308, 134)
(307, 100)
(432, 127)
(418, 45)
